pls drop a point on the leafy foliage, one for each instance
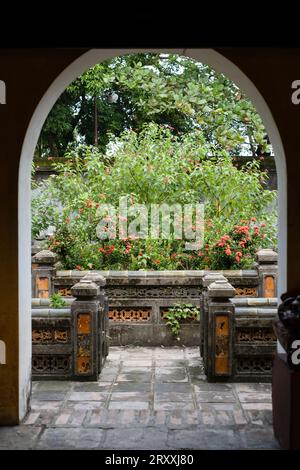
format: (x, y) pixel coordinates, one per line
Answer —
(57, 301)
(178, 314)
(154, 166)
(161, 88)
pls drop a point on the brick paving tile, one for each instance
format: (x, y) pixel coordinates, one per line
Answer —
(127, 417)
(208, 417)
(77, 418)
(32, 417)
(160, 417)
(63, 418)
(145, 418)
(96, 418)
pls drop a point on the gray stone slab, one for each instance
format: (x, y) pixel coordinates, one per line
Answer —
(125, 369)
(92, 387)
(84, 405)
(253, 387)
(256, 437)
(131, 387)
(212, 387)
(71, 438)
(266, 416)
(128, 405)
(52, 386)
(19, 437)
(130, 364)
(176, 374)
(256, 406)
(173, 396)
(130, 396)
(107, 376)
(136, 438)
(88, 396)
(49, 395)
(179, 387)
(254, 397)
(215, 397)
(135, 376)
(174, 405)
(170, 362)
(204, 439)
(38, 405)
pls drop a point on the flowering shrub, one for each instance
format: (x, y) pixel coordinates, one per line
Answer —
(154, 167)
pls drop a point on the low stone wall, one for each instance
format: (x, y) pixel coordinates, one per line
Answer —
(255, 341)
(137, 301)
(71, 343)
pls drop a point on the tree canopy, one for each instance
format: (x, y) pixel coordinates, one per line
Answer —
(165, 89)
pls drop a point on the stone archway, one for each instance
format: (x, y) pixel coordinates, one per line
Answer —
(221, 64)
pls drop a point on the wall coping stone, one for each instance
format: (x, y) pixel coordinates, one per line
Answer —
(44, 257)
(51, 313)
(85, 288)
(267, 256)
(221, 289)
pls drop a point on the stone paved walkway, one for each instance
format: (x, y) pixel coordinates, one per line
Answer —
(146, 398)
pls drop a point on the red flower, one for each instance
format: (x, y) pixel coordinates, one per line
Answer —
(253, 219)
(228, 251)
(79, 268)
(237, 259)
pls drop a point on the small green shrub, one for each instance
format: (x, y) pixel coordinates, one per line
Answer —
(177, 314)
(56, 301)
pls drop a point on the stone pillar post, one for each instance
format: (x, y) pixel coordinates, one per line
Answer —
(103, 321)
(84, 318)
(267, 272)
(43, 271)
(220, 331)
(207, 280)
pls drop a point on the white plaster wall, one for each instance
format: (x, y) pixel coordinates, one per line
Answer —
(207, 56)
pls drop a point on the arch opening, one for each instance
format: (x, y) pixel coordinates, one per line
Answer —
(87, 60)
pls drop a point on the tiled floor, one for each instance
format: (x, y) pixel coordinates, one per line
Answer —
(146, 398)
